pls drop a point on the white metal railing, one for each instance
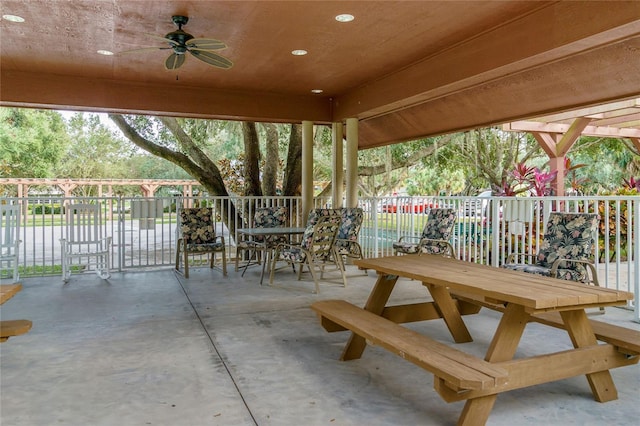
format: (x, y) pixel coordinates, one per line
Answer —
(488, 229)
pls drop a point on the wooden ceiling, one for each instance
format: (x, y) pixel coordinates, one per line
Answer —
(405, 69)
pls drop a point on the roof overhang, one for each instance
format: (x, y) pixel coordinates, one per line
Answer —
(406, 70)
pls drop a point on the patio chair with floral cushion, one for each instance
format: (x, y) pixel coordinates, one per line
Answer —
(566, 249)
(198, 236)
(347, 241)
(316, 249)
(264, 217)
(435, 235)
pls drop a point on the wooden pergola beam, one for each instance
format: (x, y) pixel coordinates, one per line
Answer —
(601, 131)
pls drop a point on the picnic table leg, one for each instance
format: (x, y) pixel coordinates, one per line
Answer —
(503, 347)
(376, 303)
(449, 312)
(581, 334)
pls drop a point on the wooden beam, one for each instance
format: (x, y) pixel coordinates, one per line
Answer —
(547, 142)
(571, 136)
(597, 111)
(535, 126)
(50, 91)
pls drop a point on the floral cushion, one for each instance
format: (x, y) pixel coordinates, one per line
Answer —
(347, 240)
(269, 217)
(196, 226)
(439, 226)
(562, 273)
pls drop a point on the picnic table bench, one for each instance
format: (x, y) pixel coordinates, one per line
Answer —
(462, 288)
(10, 328)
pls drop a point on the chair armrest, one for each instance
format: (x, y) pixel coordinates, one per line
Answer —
(592, 274)
(512, 256)
(409, 237)
(357, 252)
(426, 241)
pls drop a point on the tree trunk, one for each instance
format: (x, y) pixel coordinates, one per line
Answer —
(251, 159)
(272, 161)
(293, 172)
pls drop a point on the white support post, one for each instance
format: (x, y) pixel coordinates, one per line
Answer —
(307, 169)
(337, 177)
(352, 162)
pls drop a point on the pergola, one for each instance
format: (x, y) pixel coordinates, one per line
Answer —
(400, 70)
(557, 133)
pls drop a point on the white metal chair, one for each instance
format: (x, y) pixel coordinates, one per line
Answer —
(10, 238)
(84, 241)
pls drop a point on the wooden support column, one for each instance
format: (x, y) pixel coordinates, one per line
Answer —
(307, 168)
(337, 166)
(352, 163)
(557, 145)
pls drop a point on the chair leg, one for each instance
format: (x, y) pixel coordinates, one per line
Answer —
(339, 262)
(178, 255)
(276, 255)
(313, 275)
(224, 263)
(65, 277)
(186, 262)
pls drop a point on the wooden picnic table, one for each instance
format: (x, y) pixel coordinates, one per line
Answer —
(9, 328)
(7, 291)
(521, 297)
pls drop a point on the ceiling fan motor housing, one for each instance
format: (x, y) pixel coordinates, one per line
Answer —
(179, 36)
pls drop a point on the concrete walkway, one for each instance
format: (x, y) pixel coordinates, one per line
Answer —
(151, 348)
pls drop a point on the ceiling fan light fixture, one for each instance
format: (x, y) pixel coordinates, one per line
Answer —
(345, 17)
(316, 91)
(13, 18)
(104, 52)
(299, 52)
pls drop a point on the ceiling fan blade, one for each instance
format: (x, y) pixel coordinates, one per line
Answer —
(174, 61)
(212, 59)
(205, 44)
(143, 49)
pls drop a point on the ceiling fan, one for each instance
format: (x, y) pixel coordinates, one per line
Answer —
(182, 42)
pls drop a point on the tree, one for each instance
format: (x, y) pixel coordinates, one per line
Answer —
(32, 142)
(96, 152)
(167, 138)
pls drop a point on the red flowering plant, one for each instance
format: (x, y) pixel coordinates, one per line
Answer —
(527, 179)
(630, 186)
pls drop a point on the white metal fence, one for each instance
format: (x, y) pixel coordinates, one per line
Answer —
(488, 229)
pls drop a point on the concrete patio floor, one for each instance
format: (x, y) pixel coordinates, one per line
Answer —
(153, 348)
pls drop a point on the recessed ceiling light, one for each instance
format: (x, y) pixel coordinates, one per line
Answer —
(105, 52)
(299, 52)
(13, 18)
(345, 17)
(316, 91)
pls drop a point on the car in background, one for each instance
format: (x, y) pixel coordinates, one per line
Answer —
(418, 206)
(389, 207)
